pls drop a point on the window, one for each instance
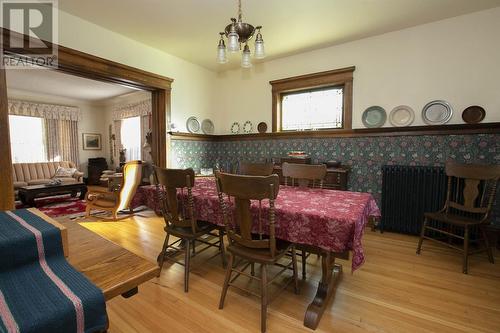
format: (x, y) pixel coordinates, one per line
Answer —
(131, 138)
(312, 109)
(27, 140)
(316, 101)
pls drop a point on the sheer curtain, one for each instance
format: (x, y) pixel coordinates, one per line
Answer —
(62, 140)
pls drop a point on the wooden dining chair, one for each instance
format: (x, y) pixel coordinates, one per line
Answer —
(303, 175)
(180, 219)
(256, 169)
(119, 199)
(470, 196)
(236, 193)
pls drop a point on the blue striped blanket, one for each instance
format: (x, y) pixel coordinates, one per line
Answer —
(39, 290)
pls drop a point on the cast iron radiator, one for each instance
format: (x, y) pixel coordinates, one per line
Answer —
(408, 192)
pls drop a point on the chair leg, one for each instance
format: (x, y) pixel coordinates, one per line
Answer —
(252, 269)
(161, 258)
(88, 209)
(295, 274)
(422, 233)
(263, 292)
(303, 264)
(487, 244)
(222, 248)
(229, 270)
(186, 265)
(194, 247)
(465, 265)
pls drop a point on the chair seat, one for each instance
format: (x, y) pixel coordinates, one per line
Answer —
(187, 232)
(260, 255)
(452, 219)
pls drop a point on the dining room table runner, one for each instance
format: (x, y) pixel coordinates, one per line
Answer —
(329, 219)
(39, 290)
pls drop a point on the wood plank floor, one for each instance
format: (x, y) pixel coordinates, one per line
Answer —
(394, 291)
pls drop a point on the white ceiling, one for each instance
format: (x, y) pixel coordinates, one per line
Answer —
(45, 81)
(189, 28)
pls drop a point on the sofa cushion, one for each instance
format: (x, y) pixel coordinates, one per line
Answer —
(64, 172)
(39, 181)
(19, 184)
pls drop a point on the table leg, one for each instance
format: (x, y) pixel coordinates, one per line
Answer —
(330, 276)
(83, 191)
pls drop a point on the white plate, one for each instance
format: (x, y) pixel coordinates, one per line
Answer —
(437, 112)
(235, 128)
(402, 115)
(248, 127)
(207, 126)
(193, 125)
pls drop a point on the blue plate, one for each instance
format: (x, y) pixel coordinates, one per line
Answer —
(374, 116)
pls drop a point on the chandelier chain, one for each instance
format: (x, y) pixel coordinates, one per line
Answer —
(240, 13)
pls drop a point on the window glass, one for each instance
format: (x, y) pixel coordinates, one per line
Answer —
(312, 109)
(131, 138)
(27, 140)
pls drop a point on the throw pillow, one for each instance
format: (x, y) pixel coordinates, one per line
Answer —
(64, 172)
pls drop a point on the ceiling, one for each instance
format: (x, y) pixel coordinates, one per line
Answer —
(189, 28)
(45, 81)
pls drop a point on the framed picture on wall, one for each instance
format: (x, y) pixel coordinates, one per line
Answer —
(92, 141)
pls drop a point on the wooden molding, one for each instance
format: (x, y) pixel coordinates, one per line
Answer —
(6, 180)
(459, 129)
(82, 64)
(337, 77)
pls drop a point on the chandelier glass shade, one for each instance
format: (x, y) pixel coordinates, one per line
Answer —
(238, 33)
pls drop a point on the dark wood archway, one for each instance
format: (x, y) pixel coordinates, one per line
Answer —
(82, 64)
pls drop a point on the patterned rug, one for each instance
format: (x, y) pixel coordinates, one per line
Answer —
(57, 206)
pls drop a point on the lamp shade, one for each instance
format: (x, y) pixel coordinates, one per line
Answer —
(221, 54)
(259, 50)
(233, 43)
(245, 58)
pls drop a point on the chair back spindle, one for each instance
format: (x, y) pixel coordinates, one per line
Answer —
(169, 183)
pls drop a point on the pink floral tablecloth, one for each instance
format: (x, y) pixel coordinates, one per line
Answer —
(331, 220)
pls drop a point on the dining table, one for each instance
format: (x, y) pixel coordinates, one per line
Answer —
(326, 222)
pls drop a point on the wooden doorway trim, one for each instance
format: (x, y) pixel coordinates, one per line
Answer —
(85, 65)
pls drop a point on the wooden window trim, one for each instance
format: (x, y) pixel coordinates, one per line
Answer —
(337, 77)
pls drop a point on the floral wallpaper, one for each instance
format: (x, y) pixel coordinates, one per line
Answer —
(364, 155)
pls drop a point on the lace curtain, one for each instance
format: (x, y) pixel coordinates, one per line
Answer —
(60, 127)
(140, 109)
(62, 140)
(46, 111)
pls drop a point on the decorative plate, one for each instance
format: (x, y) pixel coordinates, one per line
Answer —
(207, 127)
(193, 125)
(401, 115)
(437, 112)
(262, 127)
(374, 116)
(235, 128)
(248, 127)
(473, 114)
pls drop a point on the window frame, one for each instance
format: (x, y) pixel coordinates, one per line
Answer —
(342, 77)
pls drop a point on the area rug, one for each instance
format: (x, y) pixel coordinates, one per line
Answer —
(57, 206)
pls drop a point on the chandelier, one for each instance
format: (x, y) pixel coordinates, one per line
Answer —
(238, 33)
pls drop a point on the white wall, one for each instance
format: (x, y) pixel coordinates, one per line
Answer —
(193, 86)
(455, 59)
(93, 116)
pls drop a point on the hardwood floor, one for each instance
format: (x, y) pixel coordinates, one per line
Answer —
(394, 291)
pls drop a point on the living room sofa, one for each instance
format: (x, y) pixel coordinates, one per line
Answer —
(40, 173)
